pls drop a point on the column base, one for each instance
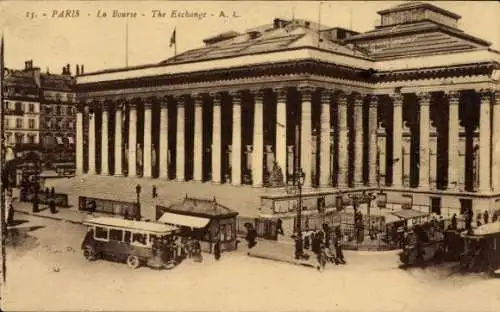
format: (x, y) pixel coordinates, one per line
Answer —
(236, 184)
(180, 180)
(147, 177)
(105, 174)
(91, 172)
(118, 175)
(257, 185)
(358, 184)
(216, 182)
(197, 181)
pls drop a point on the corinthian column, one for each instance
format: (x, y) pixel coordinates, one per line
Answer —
(281, 149)
(485, 142)
(496, 138)
(258, 139)
(358, 140)
(118, 139)
(104, 139)
(236, 144)
(92, 142)
(163, 161)
(216, 138)
(325, 164)
(343, 134)
(132, 140)
(147, 140)
(372, 140)
(397, 138)
(306, 133)
(79, 139)
(453, 139)
(424, 124)
(198, 138)
(180, 144)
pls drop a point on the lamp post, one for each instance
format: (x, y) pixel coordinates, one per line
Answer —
(138, 211)
(299, 246)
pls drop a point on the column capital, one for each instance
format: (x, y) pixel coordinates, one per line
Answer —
(80, 107)
(120, 104)
(106, 105)
(257, 93)
(424, 98)
(148, 104)
(397, 99)
(326, 96)
(306, 90)
(373, 100)
(342, 98)
(484, 94)
(198, 98)
(216, 96)
(357, 99)
(237, 95)
(163, 102)
(180, 99)
(453, 96)
(281, 93)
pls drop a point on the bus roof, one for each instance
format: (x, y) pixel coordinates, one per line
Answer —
(486, 229)
(158, 228)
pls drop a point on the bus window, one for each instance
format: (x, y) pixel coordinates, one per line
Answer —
(101, 232)
(126, 237)
(139, 238)
(115, 235)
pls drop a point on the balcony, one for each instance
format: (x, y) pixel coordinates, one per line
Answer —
(14, 112)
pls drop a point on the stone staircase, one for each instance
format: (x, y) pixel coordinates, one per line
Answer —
(244, 199)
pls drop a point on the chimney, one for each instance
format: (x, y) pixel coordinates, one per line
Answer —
(81, 69)
(68, 69)
(276, 23)
(64, 70)
(77, 69)
(307, 24)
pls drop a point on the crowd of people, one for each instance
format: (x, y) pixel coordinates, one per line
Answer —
(326, 244)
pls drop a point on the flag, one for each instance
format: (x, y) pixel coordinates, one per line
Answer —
(172, 39)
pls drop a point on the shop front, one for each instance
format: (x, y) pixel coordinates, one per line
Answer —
(204, 220)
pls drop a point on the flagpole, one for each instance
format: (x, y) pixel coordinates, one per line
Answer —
(2, 164)
(175, 43)
(126, 43)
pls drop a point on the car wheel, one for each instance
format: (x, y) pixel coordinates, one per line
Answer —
(133, 262)
(89, 253)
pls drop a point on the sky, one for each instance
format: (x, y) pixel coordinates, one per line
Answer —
(84, 36)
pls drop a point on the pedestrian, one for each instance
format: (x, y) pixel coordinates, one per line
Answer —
(52, 206)
(495, 217)
(453, 225)
(339, 255)
(155, 194)
(251, 236)
(279, 227)
(217, 251)
(486, 217)
(52, 192)
(478, 219)
(35, 204)
(47, 192)
(10, 216)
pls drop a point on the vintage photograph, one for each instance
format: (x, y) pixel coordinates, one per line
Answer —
(250, 155)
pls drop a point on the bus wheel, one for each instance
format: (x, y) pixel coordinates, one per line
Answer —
(89, 253)
(133, 262)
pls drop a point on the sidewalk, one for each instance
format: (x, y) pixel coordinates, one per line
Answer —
(283, 251)
(64, 214)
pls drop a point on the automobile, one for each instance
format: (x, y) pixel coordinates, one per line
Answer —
(134, 242)
(424, 244)
(482, 249)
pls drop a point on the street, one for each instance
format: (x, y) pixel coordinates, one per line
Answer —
(47, 272)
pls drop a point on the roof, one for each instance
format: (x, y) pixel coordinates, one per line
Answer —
(265, 38)
(130, 224)
(22, 79)
(409, 213)
(487, 229)
(418, 4)
(183, 220)
(57, 82)
(200, 207)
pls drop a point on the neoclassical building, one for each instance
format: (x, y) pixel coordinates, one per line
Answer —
(411, 107)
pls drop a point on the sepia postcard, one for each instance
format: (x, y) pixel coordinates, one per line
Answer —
(250, 155)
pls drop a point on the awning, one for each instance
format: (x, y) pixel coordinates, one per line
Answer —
(409, 213)
(183, 220)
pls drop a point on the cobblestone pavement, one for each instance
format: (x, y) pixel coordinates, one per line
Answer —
(47, 272)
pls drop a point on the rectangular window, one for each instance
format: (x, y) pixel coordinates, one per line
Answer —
(31, 139)
(19, 123)
(19, 106)
(32, 123)
(116, 235)
(101, 233)
(126, 237)
(139, 238)
(31, 108)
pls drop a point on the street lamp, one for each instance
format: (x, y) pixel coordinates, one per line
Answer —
(299, 246)
(138, 211)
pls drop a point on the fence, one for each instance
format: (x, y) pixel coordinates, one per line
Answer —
(60, 199)
(266, 228)
(112, 207)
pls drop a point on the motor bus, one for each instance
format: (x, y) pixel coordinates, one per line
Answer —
(134, 242)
